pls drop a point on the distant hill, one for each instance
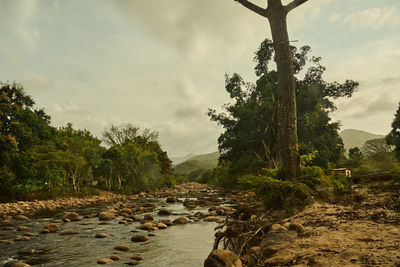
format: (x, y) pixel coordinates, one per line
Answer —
(357, 138)
(198, 163)
(177, 160)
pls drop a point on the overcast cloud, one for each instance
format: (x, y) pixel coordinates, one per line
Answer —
(161, 63)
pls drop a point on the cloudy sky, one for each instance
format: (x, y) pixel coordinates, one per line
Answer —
(161, 63)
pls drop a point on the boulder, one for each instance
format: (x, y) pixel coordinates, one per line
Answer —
(139, 238)
(180, 220)
(161, 225)
(127, 211)
(222, 258)
(166, 222)
(132, 263)
(164, 212)
(115, 258)
(211, 219)
(22, 228)
(105, 261)
(102, 235)
(275, 241)
(105, 215)
(148, 217)
(122, 247)
(148, 226)
(171, 199)
(297, 227)
(72, 217)
(138, 257)
(51, 227)
(70, 232)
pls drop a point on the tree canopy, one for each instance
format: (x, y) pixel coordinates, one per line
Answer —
(250, 122)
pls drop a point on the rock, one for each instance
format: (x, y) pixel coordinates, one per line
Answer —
(115, 258)
(72, 216)
(200, 214)
(132, 263)
(148, 226)
(211, 219)
(16, 264)
(122, 247)
(139, 238)
(164, 212)
(51, 227)
(180, 220)
(105, 215)
(29, 234)
(21, 217)
(127, 211)
(222, 258)
(171, 199)
(22, 238)
(275, 241)
(161, 225)
(102, 235)
(166, 222)
(70, 232)
(105, 261)
(138, 257)
(278, 228)
(151, 234)
(148, 217)
(297, 227)
(22, 228)
(45, 231)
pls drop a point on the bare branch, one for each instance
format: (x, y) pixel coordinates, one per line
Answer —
(289, 7)
(253, 7)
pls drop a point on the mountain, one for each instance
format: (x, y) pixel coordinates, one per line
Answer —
(198, 163)
(177, 160)
(357, 138)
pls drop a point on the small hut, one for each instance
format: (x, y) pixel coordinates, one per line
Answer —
(344, 171)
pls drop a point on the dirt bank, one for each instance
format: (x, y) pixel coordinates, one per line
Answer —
(363, 230)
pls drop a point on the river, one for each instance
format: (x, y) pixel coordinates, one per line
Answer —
(178, 245)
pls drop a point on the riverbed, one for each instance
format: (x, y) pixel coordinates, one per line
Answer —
(178, 245)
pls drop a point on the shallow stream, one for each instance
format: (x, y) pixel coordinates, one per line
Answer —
(179, 245)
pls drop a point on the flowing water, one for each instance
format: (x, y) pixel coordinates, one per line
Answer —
(180, 245)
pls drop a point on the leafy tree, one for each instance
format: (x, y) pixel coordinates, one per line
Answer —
(355, 153)
(287, 140)
(378, 145)
(138, 160)
(251, 123)
(82, 155)
(394, 136)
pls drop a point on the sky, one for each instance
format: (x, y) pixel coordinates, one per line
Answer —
(160, 64)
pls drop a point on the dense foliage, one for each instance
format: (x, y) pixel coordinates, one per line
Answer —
(36, 157)
(248, 143)
(394, 136)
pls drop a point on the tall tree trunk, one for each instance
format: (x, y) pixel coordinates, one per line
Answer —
(287, 140)
(287, 143)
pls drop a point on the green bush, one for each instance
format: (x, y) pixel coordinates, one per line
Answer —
(291, 195)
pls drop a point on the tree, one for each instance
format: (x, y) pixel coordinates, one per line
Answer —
(287, 139)
(355, 153)
(250, 123)
(393, 137)
(378, 145)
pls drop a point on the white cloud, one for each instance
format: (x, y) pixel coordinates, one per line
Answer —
(373, 18)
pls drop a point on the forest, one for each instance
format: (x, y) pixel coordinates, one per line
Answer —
(40, 161)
